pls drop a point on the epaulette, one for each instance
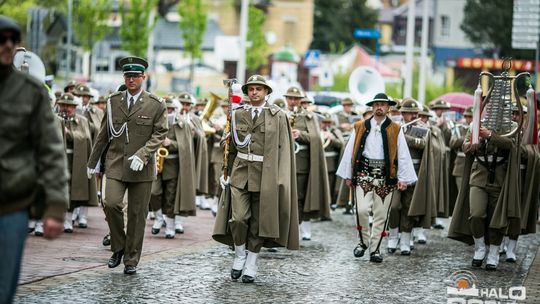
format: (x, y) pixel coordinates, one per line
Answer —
(114, 94)
(154, 97)
(274, 109)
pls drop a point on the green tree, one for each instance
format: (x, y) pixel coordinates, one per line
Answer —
(256, 53)
(18, 9)
(90, 22)
(335, 20)
(193, 25)
(494, 31)
(136, 25)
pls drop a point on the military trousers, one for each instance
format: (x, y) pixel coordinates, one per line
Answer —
(130, 240)
(245, 219)
(399, 212)
(214, 173)
(332, 183)
(371, 201)
(163, 196)
(482, 203)
(301, 186)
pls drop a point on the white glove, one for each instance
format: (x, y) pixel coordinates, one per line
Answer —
(136, 163)
(223, 182)
(90, 172)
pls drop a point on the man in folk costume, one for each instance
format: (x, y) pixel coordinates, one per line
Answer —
(311, 181)
(376, 161)
(456, 143)
(333, 144)
(262, 207)
(416, 136)
(174, 193)
(200, 146)
(136, 125)
(77, 145)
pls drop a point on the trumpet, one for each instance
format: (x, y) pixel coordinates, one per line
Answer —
(161, 154)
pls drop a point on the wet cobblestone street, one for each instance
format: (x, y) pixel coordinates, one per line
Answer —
(324, 270)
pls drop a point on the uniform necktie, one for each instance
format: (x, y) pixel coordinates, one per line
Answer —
(131, 102)
(255, 115)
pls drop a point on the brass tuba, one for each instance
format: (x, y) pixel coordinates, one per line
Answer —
(161, 154)
(208, 111)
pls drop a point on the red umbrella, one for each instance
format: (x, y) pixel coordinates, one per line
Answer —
(459, 101)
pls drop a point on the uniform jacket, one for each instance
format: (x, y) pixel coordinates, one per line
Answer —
(146, 128)
(81, 188)
(32, 159)
(455, 143)
(201, 154)
(94, 116)
(184, 203)
(278, 215)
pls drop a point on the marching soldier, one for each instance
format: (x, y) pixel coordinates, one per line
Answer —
(199, 106)
(200, 148)
(174, 193)
(345, 118)
(495, 166)
(280, 103)
(262, 195)
(370, 166)
(400, 221)
(135, 129)
(100, 103)
(368, 113)
(311, 181)
(77, 145)
(456, 143)
(94, 116)
(70, 86)
(215, 151)
(333, 144)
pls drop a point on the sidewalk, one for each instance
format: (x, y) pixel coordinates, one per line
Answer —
(82, 249)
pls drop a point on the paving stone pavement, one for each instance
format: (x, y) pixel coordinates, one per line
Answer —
(324, 270)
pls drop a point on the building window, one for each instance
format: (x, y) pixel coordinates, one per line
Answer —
(445, 26)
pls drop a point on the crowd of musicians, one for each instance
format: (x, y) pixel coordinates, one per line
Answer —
(398, 168)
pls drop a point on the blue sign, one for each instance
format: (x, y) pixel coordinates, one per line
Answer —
(367, 33)
(312, 58)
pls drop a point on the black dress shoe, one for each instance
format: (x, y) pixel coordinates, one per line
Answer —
(116, 259)
(511, 260)
(106, 240)
(391, 250)
(405, 252)
(423, 242)
(30, 230)
(37, 233)
(248, 279)
(438, 226)
(477, 263)
(130, 269)
(359, 250)
(155, 231)
(169, 236)
(333, 207)
(83, 225)
(491, 267)
(179, 231)
(376, 257)
(347, 211)
(68, 230)
(306, 239)
(236, 274)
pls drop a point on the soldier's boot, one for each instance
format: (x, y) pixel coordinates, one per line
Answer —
(510, 251)
(393, 239)
(68, 224)
(158, 222)
(178, 228)
(479, 252)
(420, 235)
(39, 228)
(31, 226)
(502, 248)
(250, 269)
(151, 215)
(239, 262)
(204, 203)
(438, 224)
(305, 230)
(169, 227)
(493, 258)
(83, 217)
(405, 243)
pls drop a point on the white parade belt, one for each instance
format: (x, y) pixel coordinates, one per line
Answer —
(302, 147)
(250, 157)
(461, 154)
(171, 156)
(69, 151)
(330, 154)
(490, 158)
(416, 161)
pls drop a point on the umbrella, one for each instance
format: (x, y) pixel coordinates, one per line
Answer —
(459, 101)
